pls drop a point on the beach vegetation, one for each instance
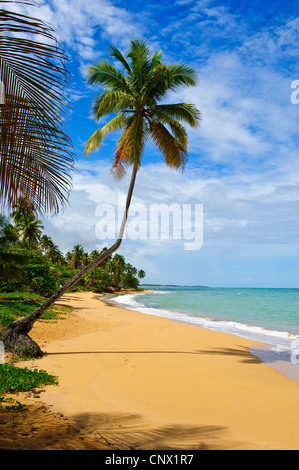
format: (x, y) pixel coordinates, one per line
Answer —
(22, 379)
(39, 267)
(15, 379)
(133, 97)
(29, 273)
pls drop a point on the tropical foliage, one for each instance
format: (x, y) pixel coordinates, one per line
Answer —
(36, 156)
(31, 261)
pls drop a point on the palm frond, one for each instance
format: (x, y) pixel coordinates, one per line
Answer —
(181, 75)
(175, 154)
(157, 86)
(156, 59)
(119, 56)
(120, 162)
(139, 54)
(107, 75)
(96, 139)
(180, 111)
(111, 102)
(130, 145)
(178, 131)
(36, 153)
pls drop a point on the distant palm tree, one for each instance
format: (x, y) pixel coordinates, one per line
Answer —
(9, 260)
(35, 152)
(119, 260)
(68, 257)
(21, 209)
(141, 274)
(77, 257)
(51, 249)
(46, 243)
(54, 253)
(94, 254)
(132, 97)
(85, 259)
(131, 269)
(30, 230)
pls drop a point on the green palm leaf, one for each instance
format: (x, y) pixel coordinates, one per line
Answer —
(96, 139)
(111, 102)
(181, 75)
(180, 111)
(107, 75)
(118, 55)
(175, 154)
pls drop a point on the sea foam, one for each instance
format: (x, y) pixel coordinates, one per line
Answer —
(280, 341)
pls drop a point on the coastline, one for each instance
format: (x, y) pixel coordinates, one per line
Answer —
(276, 347)
(128, 380)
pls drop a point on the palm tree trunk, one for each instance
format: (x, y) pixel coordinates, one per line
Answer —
(15, 336)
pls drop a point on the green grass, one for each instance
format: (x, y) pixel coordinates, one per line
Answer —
(14, 305)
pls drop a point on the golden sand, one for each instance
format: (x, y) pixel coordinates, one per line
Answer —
(130, 380)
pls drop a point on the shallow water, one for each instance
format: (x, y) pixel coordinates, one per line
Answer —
(270, 316)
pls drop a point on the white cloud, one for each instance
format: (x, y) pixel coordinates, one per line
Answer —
(247, 220)
(249, 126)
(238, 210)
(80, 24)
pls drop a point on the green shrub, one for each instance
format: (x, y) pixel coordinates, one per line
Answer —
(14, 305)
(22, 379)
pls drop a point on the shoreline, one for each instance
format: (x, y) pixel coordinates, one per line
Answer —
(128, 380)
(276, 356)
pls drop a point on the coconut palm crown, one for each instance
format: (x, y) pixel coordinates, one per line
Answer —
(132, 95)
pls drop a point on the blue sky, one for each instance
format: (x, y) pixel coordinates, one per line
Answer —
(243, 160)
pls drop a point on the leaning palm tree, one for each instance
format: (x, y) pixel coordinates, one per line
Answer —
(132, 96)
(35, 152)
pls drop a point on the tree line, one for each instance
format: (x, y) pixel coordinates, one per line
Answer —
(30, 260)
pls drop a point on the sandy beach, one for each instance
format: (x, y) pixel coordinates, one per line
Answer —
(128, 380)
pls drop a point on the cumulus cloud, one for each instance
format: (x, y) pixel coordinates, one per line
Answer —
(80, 25)
(243, 159)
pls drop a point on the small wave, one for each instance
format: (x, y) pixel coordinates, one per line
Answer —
(163, 292)
(280, 339)
(127, 299)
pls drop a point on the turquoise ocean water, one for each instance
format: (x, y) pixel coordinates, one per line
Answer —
(269, 316)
